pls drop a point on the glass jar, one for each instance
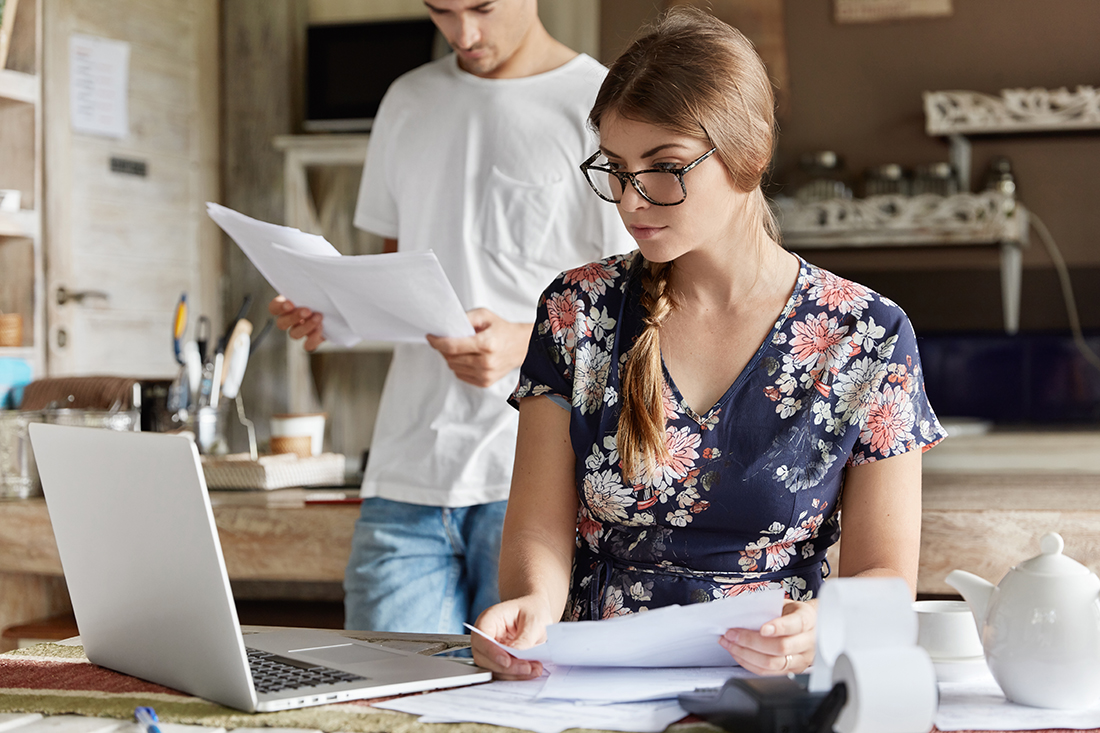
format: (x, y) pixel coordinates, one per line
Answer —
(126, 420)
(18, 472)
(937, 178)
(821, 177)
(885, 180)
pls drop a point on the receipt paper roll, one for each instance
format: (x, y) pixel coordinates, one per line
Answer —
(890, 690)
(856, 613)
(860, 613)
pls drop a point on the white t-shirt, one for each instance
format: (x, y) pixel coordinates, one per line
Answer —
(484, 172)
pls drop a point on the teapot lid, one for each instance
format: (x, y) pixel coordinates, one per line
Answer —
(1051, 561)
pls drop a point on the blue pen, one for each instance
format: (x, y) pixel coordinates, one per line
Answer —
(147, 717)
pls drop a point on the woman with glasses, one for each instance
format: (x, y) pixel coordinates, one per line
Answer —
(694, 414)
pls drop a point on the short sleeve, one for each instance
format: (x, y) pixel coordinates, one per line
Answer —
(546, 369)
(895, 416)
(375, 207)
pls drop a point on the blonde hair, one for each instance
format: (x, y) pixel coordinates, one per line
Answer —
(694, 75)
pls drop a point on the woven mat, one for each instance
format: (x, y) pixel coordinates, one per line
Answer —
(55, 679)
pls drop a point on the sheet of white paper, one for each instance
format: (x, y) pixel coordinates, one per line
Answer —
(99, 85)
(673, 636)
(73, 724)
(979, 704)
(515, 705)
(257, 239)
(389, 297)
(10, 721)
(397, 297)
(632, 684)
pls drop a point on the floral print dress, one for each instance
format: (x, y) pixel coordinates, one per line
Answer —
(749, 495)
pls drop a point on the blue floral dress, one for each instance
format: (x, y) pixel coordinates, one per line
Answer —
(749, 495)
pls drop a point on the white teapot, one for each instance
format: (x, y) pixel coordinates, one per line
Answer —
(1040, 628)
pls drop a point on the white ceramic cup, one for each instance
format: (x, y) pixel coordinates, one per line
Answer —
(311, 425)
(947, 631)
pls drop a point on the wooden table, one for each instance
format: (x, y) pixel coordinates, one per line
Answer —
(987, 500)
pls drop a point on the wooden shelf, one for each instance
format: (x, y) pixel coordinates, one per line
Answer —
(928, 220)
(18, 86)
(23, 223)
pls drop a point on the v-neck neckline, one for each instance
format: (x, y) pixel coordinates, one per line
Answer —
(799, 286)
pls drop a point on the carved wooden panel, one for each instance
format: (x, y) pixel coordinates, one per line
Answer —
(1015, 110)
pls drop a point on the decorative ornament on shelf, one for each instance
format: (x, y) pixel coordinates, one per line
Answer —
(989, 216)
(1016, 110)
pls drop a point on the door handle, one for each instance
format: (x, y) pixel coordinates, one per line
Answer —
(65, 295)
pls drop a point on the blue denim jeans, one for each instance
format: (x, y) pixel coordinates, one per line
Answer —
(422, 568)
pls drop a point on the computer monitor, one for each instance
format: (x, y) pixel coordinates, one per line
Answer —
(350, 66)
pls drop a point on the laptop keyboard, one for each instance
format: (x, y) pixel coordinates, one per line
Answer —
(272, 673)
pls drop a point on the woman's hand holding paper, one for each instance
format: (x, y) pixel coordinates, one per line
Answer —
(519, 623)
(783, 645)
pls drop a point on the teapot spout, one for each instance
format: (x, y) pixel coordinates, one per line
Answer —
(975, 591)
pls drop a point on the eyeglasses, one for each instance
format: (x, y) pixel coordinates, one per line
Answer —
(658, 186)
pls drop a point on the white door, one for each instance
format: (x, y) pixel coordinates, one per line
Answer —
(125, 223)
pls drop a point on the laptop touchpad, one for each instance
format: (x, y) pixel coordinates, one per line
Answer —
(344, 654)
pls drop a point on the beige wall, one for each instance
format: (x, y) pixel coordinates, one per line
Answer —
(856, 89)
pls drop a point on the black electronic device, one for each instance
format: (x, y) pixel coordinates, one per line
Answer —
(767, 705)
(349, 67)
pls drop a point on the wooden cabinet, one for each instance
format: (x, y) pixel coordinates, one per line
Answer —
(21, 248)
(88, 222)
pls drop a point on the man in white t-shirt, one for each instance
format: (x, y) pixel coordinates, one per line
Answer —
(474, 156)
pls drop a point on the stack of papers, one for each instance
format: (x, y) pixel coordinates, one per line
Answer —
(397, 297)
(618, 674)
(673, 636)
(518, 705)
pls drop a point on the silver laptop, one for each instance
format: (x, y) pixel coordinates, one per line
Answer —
(145, 572)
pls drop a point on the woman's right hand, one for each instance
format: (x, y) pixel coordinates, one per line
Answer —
(519, 623)
(298, 322)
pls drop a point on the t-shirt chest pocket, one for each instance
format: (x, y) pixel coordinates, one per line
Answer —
(516, 218)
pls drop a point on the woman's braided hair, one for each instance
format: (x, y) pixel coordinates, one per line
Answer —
(694, 75)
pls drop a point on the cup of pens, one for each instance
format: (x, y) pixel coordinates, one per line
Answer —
(211, 371)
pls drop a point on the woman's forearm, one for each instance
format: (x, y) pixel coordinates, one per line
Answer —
(880, 519)
(536, 553)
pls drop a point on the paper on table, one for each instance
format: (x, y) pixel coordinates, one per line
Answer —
(390, 297)
(397, 296)
(632, 684)
(979, 704)
(515, 705)
(673, 636)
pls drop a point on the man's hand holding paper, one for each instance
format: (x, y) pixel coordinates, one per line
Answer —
(497, 347)
(396, 297)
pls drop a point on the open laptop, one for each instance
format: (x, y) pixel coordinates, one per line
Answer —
(145, 572)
